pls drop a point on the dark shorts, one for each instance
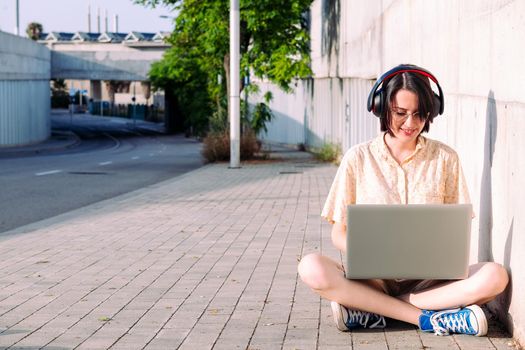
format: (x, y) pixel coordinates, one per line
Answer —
(404, 286)
(396, 287)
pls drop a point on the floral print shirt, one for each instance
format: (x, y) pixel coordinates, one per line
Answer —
(369, 174)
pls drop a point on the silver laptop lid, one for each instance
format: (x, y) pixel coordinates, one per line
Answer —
(415, 241)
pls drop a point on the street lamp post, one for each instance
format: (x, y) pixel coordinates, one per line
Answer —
(235, 107)
(17, 29)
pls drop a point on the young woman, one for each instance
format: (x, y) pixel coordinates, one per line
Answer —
(401, 167)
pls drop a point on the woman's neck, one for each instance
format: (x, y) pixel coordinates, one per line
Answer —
(399, 150)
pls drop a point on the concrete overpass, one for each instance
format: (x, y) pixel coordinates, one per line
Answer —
(104, 58)
(85, 60)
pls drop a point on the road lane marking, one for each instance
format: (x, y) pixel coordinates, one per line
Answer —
(114, 139)
(48, 172)
(105, 163)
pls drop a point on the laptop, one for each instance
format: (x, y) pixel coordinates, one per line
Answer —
(414, 241)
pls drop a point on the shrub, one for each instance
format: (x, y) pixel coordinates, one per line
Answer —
(329, 152)
(261, 114)
(60, 100)
(216, 146)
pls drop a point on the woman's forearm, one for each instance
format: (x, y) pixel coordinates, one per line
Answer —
(339, 236)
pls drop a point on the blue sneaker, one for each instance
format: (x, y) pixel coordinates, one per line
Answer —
(347, 319)
(469, 320)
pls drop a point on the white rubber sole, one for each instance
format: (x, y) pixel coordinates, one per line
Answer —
(337, 313)
(481, 320)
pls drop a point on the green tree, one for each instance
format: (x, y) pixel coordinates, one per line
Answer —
(274, 46)
(33, 30)
(59, 94)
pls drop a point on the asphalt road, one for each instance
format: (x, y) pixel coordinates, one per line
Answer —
(105, 157)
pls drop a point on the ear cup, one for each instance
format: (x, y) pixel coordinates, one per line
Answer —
(437, 106)
(377, 107)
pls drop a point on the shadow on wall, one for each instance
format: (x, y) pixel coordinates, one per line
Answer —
(485, 250)
(287, 130)
(330, 27)
(485, 211)
(502, 302)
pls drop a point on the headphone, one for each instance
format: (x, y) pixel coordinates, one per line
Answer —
(377, 97)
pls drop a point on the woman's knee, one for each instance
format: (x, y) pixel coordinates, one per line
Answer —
(314, 271)
(490, 280)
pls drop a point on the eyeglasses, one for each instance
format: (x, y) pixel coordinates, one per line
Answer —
(402, 115)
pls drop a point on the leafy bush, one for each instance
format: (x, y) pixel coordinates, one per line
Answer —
(262, 114)
(60, 100)
(218, 122)
(59, 94)
(329, 152)
(216, 146)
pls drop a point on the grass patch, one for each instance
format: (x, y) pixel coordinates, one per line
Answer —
(329, 152)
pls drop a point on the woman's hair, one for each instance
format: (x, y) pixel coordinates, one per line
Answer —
(416, 83)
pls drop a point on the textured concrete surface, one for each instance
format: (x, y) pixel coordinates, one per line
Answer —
(96, 61)
(23, 59)
(25, 69)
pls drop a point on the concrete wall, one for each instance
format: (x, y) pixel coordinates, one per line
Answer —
(476, 50)
(24, 91)
(98, 61)
(321, 110)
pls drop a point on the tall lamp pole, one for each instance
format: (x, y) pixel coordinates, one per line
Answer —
(17, 29)
(235, 101)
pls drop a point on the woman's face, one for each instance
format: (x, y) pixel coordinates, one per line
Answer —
(405, 121)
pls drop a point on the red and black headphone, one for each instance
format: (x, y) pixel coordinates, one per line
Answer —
(377, 98)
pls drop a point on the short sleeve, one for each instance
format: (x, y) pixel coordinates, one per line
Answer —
(342, 191)
(456, 190)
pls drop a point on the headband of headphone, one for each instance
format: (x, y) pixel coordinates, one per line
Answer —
(377, 98)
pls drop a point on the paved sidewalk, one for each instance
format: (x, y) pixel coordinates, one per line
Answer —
(205, 260)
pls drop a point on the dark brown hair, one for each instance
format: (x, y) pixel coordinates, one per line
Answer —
(416, 83)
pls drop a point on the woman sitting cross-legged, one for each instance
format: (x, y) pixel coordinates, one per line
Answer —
(401, 166)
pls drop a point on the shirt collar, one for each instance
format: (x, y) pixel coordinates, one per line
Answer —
(382, 148)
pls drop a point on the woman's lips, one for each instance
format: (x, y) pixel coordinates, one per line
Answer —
(408, 132)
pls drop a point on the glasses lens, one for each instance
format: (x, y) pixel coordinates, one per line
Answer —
(403, 115)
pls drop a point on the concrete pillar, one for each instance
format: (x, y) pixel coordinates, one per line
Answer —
(95, 88)
(112, 87)
(146, 90)
(96, 92)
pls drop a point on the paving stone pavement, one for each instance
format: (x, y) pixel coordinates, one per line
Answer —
(207, 260)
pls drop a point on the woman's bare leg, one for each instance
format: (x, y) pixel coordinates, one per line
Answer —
(485, 281)
(326, 278)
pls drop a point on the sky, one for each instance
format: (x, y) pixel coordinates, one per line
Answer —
(72, 15)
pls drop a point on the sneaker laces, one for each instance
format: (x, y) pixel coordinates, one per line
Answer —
(447, 321)
(363, 317)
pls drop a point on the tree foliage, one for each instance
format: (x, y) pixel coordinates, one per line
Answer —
(274, 46)
(33, 30)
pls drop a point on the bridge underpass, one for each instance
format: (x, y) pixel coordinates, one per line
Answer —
(110, 66)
